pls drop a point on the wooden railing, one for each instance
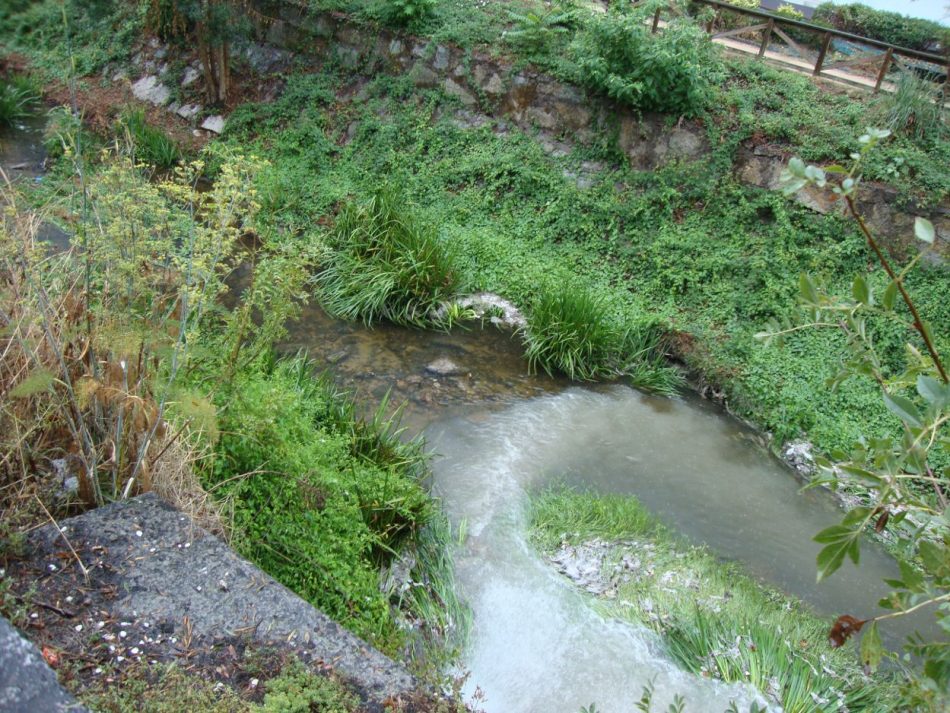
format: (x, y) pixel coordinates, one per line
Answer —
(772, 24)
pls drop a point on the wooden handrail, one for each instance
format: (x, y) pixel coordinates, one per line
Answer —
(818, 29)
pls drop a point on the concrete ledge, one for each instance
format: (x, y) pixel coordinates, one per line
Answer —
(153, 572)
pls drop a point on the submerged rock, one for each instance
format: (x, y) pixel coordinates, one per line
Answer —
(443, 366)
(798, 454)
(486, 305)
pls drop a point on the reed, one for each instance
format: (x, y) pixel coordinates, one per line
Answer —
(569, 331)
(386, 264)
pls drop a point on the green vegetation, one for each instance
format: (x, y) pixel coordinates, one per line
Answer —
(287, 686)
(715, 620)
(892, 27)
(613, 271)
(902, 480)
(403, 13)
(17, 96)
(121, 347)
(672, 71)
(914, 109)
(147, 143)
(686, 244)
(71, 38)
(313, 506)
(536, 28)
(386, 263)
(569, 331)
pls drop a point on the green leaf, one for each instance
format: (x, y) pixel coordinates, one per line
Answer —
(933, 391)
(924, 230)
(913, 580)
(861, 291)
(807, 289)
(934, 557)
(872, 650)
(840, 541)
(39, 380)
(890, 296)
(903, 408)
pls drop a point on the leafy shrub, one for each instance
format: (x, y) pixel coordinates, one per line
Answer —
(535, 28)
(298, 690)
(892, 27)
(404, 13)
(62, 37)
(147, 143)
(672, 71)
(17, 96)
(789, 11)
(570, 332)
(386, 263)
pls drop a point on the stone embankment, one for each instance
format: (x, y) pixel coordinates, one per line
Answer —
(488, 86)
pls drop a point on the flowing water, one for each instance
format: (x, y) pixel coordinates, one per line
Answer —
(501, 434)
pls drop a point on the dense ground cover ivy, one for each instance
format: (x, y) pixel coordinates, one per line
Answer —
(686, 244)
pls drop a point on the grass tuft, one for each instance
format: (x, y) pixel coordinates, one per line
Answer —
(386, 263)
(17, 97)
(147, 143)
(569, 331)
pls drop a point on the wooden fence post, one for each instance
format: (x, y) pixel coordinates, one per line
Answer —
(821, 53)
(766, 36)
(884, 66)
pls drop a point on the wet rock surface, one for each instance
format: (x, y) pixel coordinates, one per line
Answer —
(157, 586)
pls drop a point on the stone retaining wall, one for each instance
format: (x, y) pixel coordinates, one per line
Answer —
(533, 100)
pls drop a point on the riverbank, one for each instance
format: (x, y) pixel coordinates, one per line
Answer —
(715, 621)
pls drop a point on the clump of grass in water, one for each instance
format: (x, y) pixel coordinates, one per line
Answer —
(386, 263)
(715, 619)
(570, 332)
(443, 620)
(17, 96)
(147, 143)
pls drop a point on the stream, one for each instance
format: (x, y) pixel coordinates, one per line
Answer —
(500, 434)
